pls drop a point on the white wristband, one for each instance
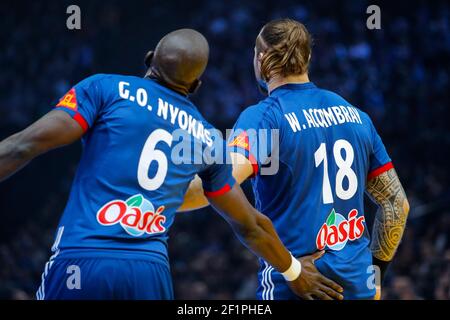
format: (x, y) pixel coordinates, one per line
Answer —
(294, 270)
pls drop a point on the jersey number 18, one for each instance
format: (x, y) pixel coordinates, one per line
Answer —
(345, 170)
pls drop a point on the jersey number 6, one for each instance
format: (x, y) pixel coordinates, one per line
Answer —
(149, 154)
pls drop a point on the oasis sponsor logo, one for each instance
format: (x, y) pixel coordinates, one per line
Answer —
(136, 216)
(337, 230)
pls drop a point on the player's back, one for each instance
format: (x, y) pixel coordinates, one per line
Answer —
(133, 173)
(315, 199)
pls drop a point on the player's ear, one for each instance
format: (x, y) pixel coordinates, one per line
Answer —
(194, 86)
(148, 58)
(260, 56)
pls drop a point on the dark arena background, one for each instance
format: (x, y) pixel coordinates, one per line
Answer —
(399, 75)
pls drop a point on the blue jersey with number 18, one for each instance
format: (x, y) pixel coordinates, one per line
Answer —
(312, 153)
(133, 173)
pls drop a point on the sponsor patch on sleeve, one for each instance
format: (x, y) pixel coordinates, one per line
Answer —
(241, 141)
(69, 100)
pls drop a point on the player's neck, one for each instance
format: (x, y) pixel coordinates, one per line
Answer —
(280, 81)
(151, 74)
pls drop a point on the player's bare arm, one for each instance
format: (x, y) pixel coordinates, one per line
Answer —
(258, 233)
(195, 199)
(390, 221)
(53, 130)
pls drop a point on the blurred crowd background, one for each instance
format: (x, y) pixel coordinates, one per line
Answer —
(399, 75)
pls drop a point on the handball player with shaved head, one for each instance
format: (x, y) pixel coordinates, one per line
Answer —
(111, 241)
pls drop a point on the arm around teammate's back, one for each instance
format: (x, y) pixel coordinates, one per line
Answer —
(257, 232)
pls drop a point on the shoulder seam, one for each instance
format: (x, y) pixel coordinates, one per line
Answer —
(266, 108)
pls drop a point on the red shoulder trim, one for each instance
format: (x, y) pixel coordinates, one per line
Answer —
(81, 121)
(223, 190)
(380, 170)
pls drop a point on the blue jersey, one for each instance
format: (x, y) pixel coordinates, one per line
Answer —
(143, 145)
(312, 153)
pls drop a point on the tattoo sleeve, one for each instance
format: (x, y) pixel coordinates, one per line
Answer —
(390, 221)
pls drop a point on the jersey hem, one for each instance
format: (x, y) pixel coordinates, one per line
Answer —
(113, 254)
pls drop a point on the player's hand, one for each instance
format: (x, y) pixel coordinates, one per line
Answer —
(311, 284)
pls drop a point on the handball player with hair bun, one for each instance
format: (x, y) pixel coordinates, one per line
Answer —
(327, 155)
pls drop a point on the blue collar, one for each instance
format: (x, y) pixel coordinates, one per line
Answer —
(295, 86)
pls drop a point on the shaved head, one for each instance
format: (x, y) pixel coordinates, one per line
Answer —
(180, 58)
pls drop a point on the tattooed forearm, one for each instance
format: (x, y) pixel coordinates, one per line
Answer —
(387, 191)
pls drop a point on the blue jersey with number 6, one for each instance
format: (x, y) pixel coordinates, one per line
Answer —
(312, 153)
(133, 173)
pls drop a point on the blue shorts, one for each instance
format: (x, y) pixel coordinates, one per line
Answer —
(105, 278)
(273, 286)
